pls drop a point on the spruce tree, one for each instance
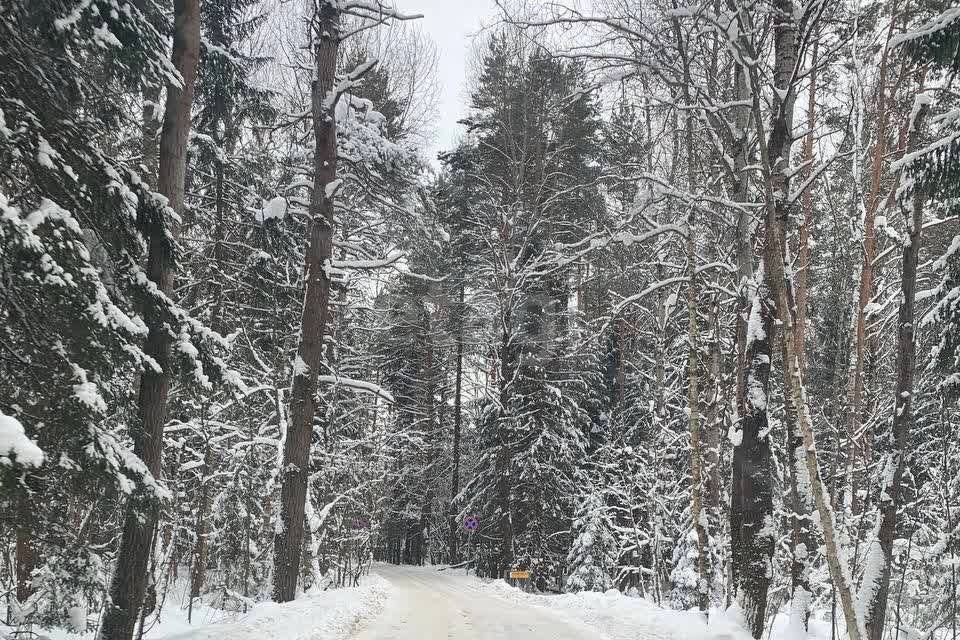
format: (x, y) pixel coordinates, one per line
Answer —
(534, 145)
(934, 171)
(593, 556)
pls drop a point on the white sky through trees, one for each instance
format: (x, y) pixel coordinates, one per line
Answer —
(452, 25)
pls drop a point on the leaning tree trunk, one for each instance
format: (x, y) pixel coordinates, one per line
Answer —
(296, 450)
(130, 578)
(903, 401)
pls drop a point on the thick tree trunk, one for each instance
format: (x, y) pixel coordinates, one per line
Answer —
(751, 492)
(744, 245)
(434, 427)
(129, 580)
(889, 492)
(744, 241)
(751, 508)
(423, 527)
(504, 455)
(296, 451)
(806, 211)
(506, 504)
(744, 362)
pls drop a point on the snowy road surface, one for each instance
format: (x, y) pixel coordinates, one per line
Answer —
(432, 605)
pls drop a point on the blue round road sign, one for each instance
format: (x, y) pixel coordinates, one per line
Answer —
(470, 523)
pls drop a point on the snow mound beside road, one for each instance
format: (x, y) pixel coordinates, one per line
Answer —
(326, 615)
(616, 616)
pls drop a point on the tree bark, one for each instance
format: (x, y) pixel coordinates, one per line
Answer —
(715, 419)
(129, 580)
(858, 335)
(198, 575)
(751, 508)
(697, 512)
(296, 451)
(751, 492)
(744, 243)
(889, 497)
(149, 128)
(26, 554)
(775, 156)
(457, 423)
(802, 543)
(504, 455)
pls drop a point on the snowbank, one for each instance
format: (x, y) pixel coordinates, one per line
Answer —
(327, 615)
(616, 616)
(620, 617)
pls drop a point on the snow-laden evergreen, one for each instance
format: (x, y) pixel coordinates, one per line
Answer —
(593, 554)
(675, 313)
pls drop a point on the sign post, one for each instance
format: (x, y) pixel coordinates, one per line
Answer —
(471, 524)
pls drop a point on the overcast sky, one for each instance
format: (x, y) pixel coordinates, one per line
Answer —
(451, 24)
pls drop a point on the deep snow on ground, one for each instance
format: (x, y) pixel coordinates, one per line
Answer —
(616, 616)
(325, 615)
(436, 603)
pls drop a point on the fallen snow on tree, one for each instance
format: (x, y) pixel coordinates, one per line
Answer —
(360, 386)
(275, 208)
(15, 444)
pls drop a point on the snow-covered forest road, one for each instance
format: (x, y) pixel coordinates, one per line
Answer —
(438, 605)
(426, 603)
(658, 299)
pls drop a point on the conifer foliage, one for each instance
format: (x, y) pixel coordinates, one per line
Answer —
(593, 554)
(255, 336)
